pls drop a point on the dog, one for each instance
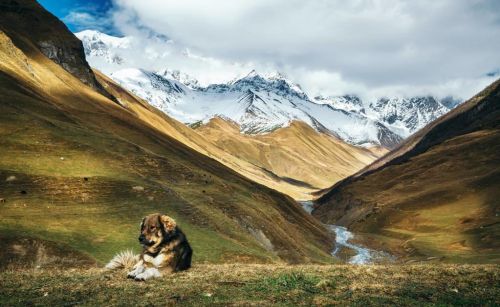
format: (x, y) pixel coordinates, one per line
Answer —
(165, 248)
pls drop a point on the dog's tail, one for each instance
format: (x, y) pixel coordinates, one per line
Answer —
(126, 259)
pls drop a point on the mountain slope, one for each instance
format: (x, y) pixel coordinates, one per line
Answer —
(64, 49)
(80, 169)
(296, 153)
(245, 157)
(436, 195)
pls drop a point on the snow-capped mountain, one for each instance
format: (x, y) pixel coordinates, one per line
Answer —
(260, 103)
(403, 115)
(349, 103)
(407, 113)
(98, 45)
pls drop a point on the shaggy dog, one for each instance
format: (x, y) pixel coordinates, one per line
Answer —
(165, 248)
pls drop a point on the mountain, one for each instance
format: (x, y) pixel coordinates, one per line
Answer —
(248, 160)
(402, 115)
(297, 153)
(240, 102)
(98, 44)
(436, 195)
(259, 104)
(64, 49)
(80, 168)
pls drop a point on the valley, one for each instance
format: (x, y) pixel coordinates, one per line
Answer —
(296, 154)
(435, 196)
(254, 122)
(286, 197)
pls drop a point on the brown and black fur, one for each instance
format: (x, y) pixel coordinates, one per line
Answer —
(165, 248)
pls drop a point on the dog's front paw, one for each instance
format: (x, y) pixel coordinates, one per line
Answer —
(132, 274)
(141, 277)
(147, 274)
(138, 269)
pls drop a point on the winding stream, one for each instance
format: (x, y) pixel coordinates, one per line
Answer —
(342, 237)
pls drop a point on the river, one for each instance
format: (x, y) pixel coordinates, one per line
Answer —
(342, 237)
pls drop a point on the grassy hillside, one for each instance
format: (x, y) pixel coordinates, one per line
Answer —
(435, 196)
(297, 153)
(80, 170)
(269, 160)
(262, 285)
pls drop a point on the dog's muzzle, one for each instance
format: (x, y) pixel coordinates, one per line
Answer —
(144, 241)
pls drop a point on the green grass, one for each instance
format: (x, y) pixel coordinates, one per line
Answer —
(100, 216)
(239, 284)
(286, 282)
(101, 229)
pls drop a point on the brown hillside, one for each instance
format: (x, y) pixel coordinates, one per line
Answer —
(436, 195)
(297, 153)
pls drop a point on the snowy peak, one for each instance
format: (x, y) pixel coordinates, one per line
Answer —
(409, 114)
(179, 76)
(103, 46)
(349, 103)
(275, 82)
(94, 35)
(259, 103)
(403, 115)
(97, 43)
(251, 75)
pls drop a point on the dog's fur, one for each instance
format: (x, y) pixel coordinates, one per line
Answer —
(126, 260)
(165, 248)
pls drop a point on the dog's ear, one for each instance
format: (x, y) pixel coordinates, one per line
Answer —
(168, 223)
(142, 223)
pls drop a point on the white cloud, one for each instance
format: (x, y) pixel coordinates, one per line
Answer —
(367, 47)
(83, 20)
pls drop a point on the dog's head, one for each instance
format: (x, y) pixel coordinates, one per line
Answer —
(155, 230)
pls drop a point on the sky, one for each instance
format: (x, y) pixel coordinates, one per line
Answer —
(371, 48)
(81, 15)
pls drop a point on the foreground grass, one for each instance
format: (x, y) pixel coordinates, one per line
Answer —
(260, 285)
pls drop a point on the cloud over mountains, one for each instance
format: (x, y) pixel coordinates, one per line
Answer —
(364, 47)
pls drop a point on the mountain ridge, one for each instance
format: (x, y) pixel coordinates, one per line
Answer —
(279, 100)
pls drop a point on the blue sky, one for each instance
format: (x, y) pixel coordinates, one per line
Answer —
(83, 14)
